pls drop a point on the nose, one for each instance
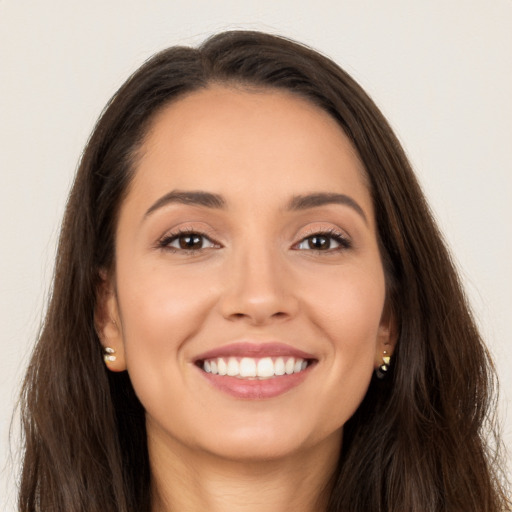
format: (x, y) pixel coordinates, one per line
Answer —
(258, 288)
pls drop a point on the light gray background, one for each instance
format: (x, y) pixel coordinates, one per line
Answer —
(441, 72)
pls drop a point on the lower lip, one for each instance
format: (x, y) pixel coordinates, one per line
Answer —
(254, 389)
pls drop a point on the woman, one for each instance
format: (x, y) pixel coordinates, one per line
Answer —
(253, 307)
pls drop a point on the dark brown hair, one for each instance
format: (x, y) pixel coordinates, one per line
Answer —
(418, 441)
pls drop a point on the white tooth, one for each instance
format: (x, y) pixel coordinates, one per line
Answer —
(265, 367)
(288, 367)
(206, 367)
(222, 366)
(233, 368)
(304, 365)
(247, 367)
(298, 366)
(279, 368)
(213, 366)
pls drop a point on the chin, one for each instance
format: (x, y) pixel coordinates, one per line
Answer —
(249, 447)
(264, 442)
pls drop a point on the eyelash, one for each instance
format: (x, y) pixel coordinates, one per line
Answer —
(165, 242)
(330, 234)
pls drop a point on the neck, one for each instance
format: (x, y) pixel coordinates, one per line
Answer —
(184, 480)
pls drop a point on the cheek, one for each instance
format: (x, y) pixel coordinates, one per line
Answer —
(347, 315)
(347, 303)
(161, 309)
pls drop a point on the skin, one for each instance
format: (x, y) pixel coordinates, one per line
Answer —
(255, 278)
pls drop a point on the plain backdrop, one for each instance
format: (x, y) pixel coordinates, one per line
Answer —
(441, 71)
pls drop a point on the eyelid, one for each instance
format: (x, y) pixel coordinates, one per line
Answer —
(336, 234)
(173, 234)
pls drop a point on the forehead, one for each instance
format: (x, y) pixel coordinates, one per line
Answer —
(225, 139)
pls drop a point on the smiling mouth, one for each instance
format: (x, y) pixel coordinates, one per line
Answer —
(250, 368)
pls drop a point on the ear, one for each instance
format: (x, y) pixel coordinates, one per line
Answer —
(387, 336)
(108, 324)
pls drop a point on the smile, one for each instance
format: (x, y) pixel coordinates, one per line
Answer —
(254, 368)
(255, 371)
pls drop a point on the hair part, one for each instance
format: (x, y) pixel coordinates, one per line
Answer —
(417, 441)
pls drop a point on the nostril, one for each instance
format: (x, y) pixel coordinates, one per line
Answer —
(257, 308)
(259, 318)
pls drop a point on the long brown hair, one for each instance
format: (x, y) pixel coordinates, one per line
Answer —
(418, 442)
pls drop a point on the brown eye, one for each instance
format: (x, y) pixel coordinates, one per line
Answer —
(187, 242)
(190, 241)
(324, 242)
(319, 242)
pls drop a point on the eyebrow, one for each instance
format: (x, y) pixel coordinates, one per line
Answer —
(196, 198)
(210, 200)
(321, 199)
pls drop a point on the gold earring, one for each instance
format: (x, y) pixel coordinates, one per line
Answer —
(109, 355)
(383, 369)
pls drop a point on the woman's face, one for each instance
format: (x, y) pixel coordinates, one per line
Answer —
(248, 294)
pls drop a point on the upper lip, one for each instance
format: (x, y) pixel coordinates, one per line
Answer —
(256, 350)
